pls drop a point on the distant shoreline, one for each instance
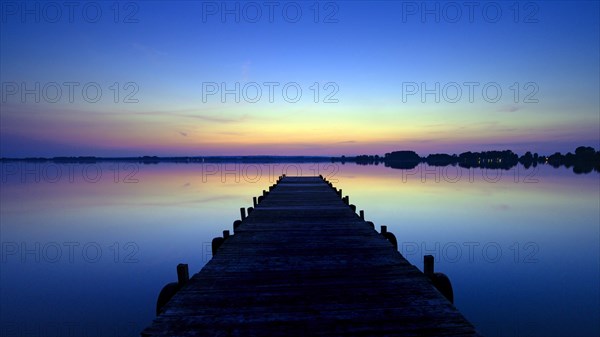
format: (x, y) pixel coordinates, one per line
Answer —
(584, 160)
(177, 159)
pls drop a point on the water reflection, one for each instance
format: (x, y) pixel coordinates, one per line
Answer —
(585, 160)
(92, 246)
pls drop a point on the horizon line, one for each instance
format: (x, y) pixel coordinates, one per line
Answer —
(253, 156)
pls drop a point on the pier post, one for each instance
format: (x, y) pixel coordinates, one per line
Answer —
(439, 280)
(225, 234)
(250, 209)
(353, 208)
(390, 236)
(254, 203)
(183, 274)
(216, 243)
(243, 213)
(236, 224)
(428, 265)
(362, 214)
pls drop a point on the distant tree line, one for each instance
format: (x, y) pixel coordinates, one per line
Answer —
(156, 159)
(585, 159)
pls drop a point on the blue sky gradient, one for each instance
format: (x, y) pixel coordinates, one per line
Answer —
(369, 52)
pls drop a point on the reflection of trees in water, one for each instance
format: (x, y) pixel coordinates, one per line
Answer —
(402, 159)
(585, 160)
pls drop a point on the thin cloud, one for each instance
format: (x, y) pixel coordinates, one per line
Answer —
(149, 52)
(246, 70)
(205, 117)
(501, 207)
(509, 108)
(33, 111)
(231, 133)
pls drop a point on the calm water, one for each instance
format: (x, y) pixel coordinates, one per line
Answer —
(86, 249)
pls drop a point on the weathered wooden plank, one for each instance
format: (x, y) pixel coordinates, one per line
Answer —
(303, 263)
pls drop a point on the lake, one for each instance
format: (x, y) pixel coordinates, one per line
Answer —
(87, 248)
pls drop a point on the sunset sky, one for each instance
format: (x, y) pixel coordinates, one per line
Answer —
(370, 57)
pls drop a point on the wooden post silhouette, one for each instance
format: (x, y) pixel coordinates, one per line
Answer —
(390, 236)
(428, 265)
(183, 274)
(236, 224)
(439, 280)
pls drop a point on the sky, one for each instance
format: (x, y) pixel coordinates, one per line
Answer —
(196, 78)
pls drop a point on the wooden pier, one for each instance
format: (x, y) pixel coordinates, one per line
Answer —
(304, 263)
